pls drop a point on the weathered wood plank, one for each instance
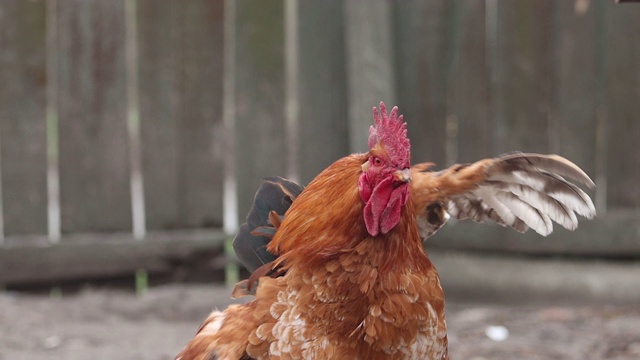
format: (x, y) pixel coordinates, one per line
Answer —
(181, 107)
(521, 97)
(323, 125)
(612, 236)
(572, 127)
(22, 116)
(91, 256)
(94, 158)
(370, 64)
(421, 38)
(136, 180)
(158, 83)
(622, 94)
(468, 123)
(199, 110)
(259, 95)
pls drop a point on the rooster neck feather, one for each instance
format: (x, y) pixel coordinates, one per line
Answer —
(326, 217)
(326, 220)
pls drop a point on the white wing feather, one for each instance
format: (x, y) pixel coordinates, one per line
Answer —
(525, 191)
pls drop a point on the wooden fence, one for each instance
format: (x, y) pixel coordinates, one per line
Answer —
(132, 132)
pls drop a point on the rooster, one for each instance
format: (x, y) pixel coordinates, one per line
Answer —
(339, 267)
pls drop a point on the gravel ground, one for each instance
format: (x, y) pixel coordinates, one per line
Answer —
(115, 324)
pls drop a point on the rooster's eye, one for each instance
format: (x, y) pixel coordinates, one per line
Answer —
(376, 161)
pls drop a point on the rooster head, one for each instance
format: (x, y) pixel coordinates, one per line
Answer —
(384, 182)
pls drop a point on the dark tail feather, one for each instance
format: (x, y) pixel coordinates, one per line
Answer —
(275, 194)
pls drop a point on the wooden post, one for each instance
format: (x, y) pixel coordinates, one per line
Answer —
(230, 186)
(292, 87)
(133, 121)
(53, 172)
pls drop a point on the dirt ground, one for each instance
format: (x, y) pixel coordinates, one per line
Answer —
(116, 324)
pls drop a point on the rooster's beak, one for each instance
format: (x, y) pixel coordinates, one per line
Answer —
(403, 175)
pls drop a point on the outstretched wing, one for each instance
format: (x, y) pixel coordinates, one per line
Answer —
(515, 190)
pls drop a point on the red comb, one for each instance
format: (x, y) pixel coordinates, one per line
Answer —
(391, 132)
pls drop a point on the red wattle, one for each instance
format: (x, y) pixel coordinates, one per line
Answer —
(391, 215)
(382, 211)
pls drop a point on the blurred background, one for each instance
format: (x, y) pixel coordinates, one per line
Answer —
(134, 133)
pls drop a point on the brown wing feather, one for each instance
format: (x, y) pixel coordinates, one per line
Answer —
(516, 190)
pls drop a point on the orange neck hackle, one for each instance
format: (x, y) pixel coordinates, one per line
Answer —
(326, 220)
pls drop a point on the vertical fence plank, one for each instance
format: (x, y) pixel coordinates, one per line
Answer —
(468, 83)
(54, 221)
(199, 110)
(94, 171)
(522, 96)
(157, 23)
(181, 112)
(259, 95)
(22, 116)
(136, 181)
(622, 94)
(323, 126)
(572, 131)
(292, 87)
(421, 35)
(230, 220)
(371, 74)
